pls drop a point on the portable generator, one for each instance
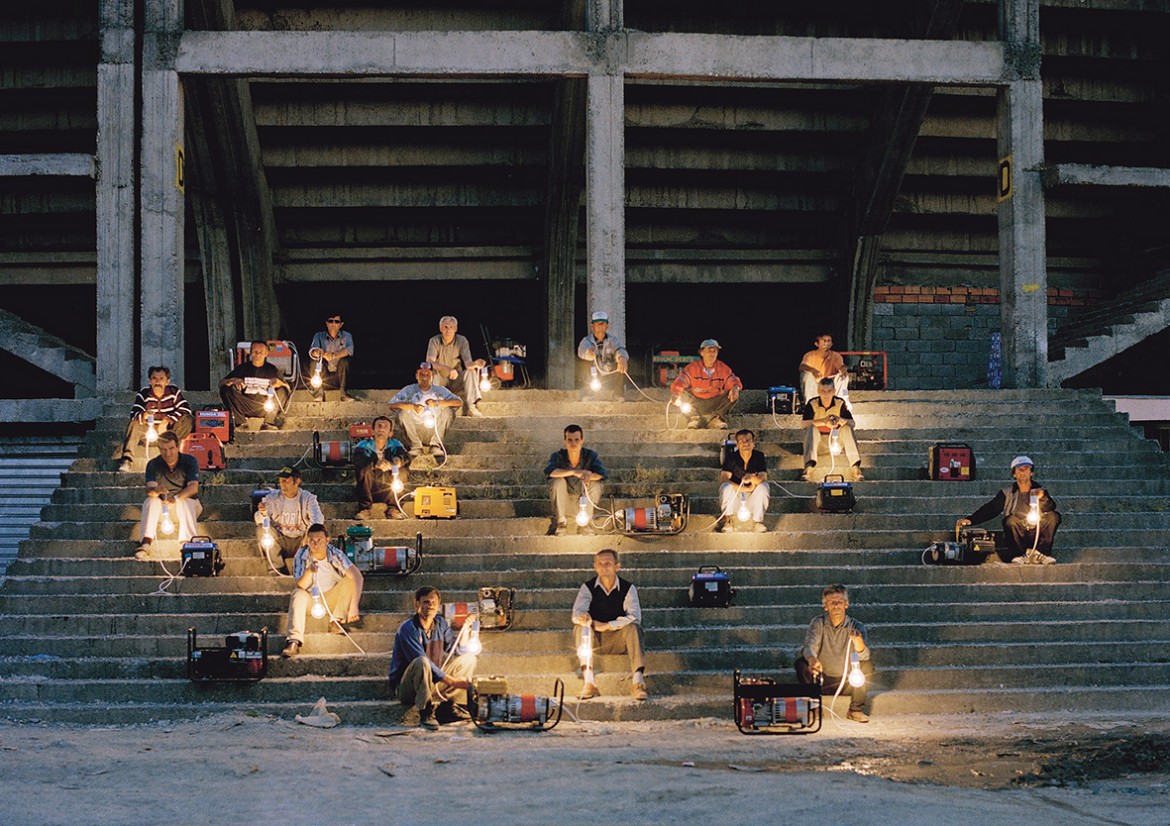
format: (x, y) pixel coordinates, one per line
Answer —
(431, 502)
(667, 516)
(971, 546)
(726, 448)
(207, 450)
(381, 559)
(764, 706)
(951, 462)
(835, 495)
(201, 557)
(495, 609)
(242, 658)
(216, 421)
(710, 588)
(782, 398)
(339, 452)
(493, 708)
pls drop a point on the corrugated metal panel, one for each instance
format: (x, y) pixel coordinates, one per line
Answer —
(30, 470)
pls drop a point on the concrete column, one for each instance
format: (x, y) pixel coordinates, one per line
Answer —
(115, 200)
(162, 179)
(605, 184)
(1022, 244)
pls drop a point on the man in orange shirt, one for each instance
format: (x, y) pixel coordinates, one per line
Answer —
(708, 386)
(823, 363)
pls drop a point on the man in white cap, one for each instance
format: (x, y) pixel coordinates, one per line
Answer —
(708, 386)
(1030, 518)
(601, 351)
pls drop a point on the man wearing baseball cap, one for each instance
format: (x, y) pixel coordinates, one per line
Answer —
(414, 400)
(708, 386)
(1029, 531)
(601, 351)
(290, 512)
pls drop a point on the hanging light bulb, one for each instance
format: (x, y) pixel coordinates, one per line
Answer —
(583, 513)
(594, 381)
(318, 609)
(834, 443)
(743, 514)
(151, 430)
(395, 482)
(1034, 509)
(485, 383)
(270, 402)
(428, 418)
(315, 381)
(166, 525)
(856, 678)
(585, 645)
(684, 406)
(473, 645)
(267, 538)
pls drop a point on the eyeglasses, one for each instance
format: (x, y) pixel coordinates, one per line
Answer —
(333, 321)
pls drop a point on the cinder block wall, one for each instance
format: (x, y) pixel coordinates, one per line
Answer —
(939, 338)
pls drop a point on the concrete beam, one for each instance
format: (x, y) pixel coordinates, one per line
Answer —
(60, 166)
(1074, 174)
(50, 410)
(605, 201)
(114, 191)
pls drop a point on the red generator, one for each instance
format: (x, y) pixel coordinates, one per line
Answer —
(207, 450)
(215, 421)
(951, 462)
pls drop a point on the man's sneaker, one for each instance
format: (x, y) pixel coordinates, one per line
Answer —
(717, 422)
(1022, 559)
(145, 552)
(426, 717)
(727, 527)
(474, 412)
(638, 691)
(858, 476)
(857, 716)
(806, 474)
(292, 649)
(363, 514)
(759, 527)
(695, 423)
(450, 711)
(559, 529)
(268, 427)
(436, 451)
(126, 466)
(589, 692)
(1037, 558)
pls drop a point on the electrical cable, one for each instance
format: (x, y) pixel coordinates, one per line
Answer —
(334, 619)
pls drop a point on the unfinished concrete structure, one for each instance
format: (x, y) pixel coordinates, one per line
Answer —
(195, 169)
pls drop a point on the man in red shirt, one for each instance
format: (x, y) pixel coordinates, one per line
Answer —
(708, 386)
(823, 363)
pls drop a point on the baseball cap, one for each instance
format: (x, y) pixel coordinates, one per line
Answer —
(710, 342)
(426, 365)
(600, 315)
(287, 472)
(1022, 460)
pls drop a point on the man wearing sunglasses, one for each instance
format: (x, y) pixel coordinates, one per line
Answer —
(333, 347)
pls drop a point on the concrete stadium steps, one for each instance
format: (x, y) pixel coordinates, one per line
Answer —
(30, 473)
(83, 637)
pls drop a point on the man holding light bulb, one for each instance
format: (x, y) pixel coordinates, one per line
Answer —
(743, 488)
(609, 614)
(575, 476)
(290, 512)
(706, 389)
(425, 410)
(160, 407)
(1030, 518)
(255, 390)
(827, 415)
(172, 496)
(450, 354)
(381, 463)
(327, 584)
(835, 644)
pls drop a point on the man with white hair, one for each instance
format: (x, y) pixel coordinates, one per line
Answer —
(450, 355)
(1029, 527)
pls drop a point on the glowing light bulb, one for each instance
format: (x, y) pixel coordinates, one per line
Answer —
(315, 381)
(743, 514)
(856, 678)
(166, 525)
(473, 645)
(428, 418)
(151, 429)
(834, 443)
(1034, 510)
(318, 609)
(267, 539)
(395, 482)
(485, 383)
(585, 645)
(583, 513)
(594, 381)
(684, 406)
(270, 402)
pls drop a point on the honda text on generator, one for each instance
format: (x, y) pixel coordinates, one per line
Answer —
(242, 659)
(764, 706)
(667, 516)
(381, 559)
(493, 708)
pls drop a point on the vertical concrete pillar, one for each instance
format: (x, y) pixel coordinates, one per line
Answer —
(115, 199)
(605, 183)
(162, 179)
(1022, 242)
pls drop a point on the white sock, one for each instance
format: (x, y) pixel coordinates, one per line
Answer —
(588, 674)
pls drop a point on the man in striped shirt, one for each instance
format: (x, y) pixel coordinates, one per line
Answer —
(160, 404)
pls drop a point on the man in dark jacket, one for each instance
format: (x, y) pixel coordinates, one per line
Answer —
(573, 472)
(1030, 518)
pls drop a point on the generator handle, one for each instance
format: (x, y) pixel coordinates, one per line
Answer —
(714, 568)
(838, 476)
(559, 694)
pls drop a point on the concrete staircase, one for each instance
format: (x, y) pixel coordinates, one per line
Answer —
(1104, 331)
(30, 471)
(84, 638)
(48, 352)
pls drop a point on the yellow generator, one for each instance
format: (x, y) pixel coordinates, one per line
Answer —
(435, 503)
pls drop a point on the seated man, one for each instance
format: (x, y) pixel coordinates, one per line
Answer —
(375, 460)
(159, 402)
(172, 485)
(291, 511)
(1030, 542)
(573, 472)
(333, 347)
(602, 351)
(420, 673)
(827, 416)
(708, 385)
(247, 390)
(608, 611)
(322, 573)
(416, 402)
(829, 643)
(450, 355)
(823, 363)
(743, 483)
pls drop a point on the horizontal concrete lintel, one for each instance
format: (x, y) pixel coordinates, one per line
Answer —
(61, 165)
(415, 270)
(731, 272)
(1086, 174)
(398, 254)
(710, 57)
(50, 410)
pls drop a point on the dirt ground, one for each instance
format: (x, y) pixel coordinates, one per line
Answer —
(984, 769)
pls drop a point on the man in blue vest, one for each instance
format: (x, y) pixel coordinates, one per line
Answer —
(608, 606)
